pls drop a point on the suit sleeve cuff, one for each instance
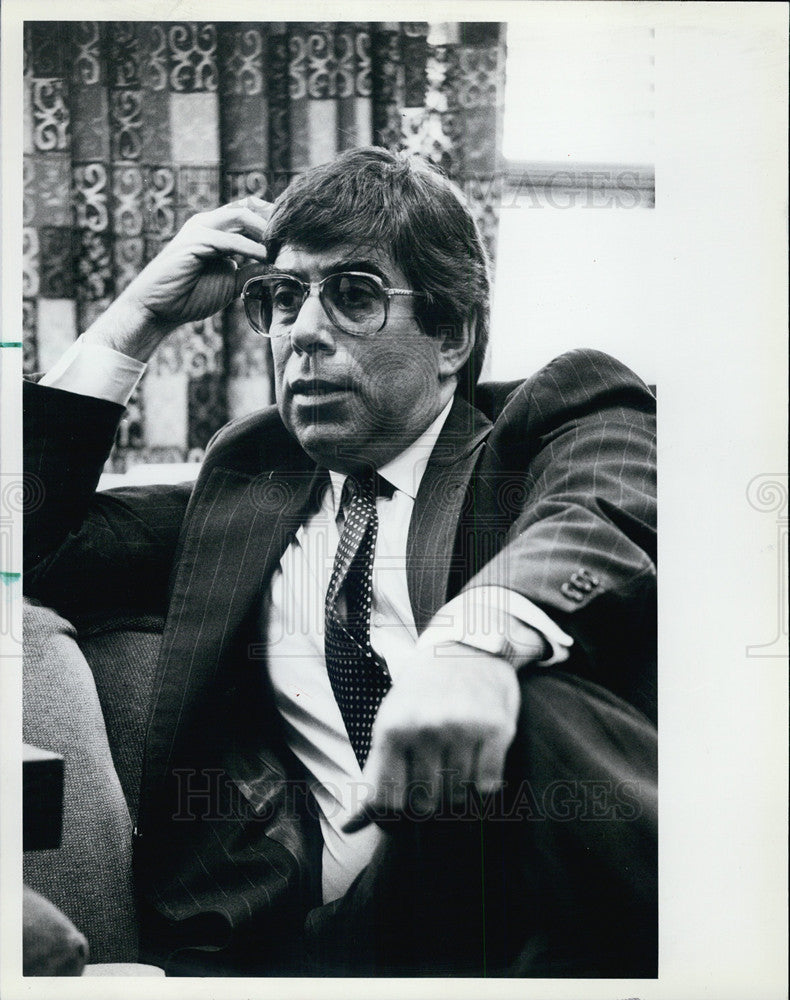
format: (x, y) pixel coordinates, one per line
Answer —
(501, 622)
(94, 370)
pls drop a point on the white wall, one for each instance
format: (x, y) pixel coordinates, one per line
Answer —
(579, 88)
(578, 277)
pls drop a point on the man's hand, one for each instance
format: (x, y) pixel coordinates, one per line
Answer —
(192, 278)
(452, 710)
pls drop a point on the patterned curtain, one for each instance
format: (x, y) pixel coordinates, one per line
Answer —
(131, 127)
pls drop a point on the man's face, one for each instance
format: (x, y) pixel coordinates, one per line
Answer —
(353, 401)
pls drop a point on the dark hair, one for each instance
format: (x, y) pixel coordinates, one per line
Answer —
(405, 206)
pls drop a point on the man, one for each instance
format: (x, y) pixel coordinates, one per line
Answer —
(429, 604)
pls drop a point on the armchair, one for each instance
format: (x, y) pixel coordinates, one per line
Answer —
(82, 700)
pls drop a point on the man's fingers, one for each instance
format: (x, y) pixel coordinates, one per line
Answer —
(425, 755)
(238, 219)
(490, 764)
(255, 203)
(385, 775)
(362, 818)
(426, 772)
(204, 242)
(245, 215)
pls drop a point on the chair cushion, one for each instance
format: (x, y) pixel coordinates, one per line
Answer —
(122, 653)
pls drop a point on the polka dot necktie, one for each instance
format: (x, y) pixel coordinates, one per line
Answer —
(358, 675)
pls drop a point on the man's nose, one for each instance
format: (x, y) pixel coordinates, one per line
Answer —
(313, 330)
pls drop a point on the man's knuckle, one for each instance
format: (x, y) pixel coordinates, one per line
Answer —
(393, 736)
(457, 729)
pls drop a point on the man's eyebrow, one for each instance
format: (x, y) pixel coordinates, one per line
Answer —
(364, 264)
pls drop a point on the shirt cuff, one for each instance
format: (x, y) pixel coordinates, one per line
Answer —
(500, 621)
(94, 370)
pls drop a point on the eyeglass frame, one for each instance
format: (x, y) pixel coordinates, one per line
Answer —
(317, 286)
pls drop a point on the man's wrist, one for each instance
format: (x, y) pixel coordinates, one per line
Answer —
(90, 368)
(130, 328)
(502, 623)
(530, 649)
(497, 634)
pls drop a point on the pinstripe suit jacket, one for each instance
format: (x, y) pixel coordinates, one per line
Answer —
(545, 486)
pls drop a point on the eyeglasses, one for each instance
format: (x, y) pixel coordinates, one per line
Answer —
(357, 303)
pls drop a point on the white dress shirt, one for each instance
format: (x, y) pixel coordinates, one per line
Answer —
(294, 611)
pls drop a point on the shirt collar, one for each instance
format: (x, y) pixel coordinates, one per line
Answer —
(406, 470)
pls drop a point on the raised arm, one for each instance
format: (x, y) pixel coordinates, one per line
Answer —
(192, 278)
(94, 552)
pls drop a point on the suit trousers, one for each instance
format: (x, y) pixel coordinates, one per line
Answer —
(556, 875)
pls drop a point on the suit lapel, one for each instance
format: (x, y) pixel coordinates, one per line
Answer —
(438, 508)
(237, 529)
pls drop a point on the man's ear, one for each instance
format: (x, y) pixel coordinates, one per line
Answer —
(455, 345)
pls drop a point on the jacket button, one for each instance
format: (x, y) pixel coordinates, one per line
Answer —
(571, 593)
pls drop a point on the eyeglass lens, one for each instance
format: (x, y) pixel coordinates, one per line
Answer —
(354, 303)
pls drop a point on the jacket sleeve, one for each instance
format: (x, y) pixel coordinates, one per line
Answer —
(89, 553)
(581, 538)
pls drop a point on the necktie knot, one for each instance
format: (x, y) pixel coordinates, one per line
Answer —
(367, 486)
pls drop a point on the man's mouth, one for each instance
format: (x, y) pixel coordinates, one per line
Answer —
(315, 388)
